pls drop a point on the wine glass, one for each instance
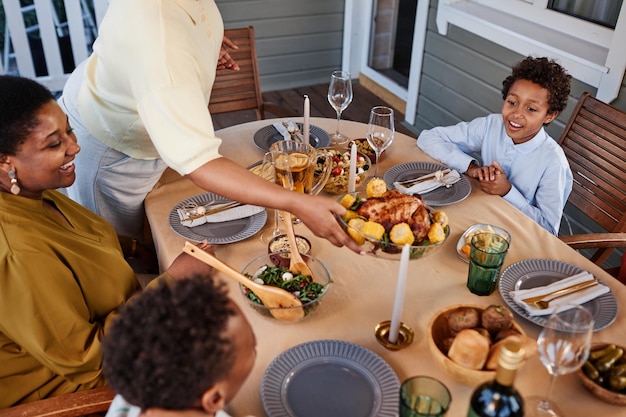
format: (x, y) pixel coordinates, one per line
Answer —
(380, 131)
(563, 345)
(340, 97)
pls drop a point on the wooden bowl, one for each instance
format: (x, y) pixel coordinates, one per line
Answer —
(438, 331)
(599, 391)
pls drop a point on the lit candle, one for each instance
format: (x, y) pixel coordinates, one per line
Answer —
(305, 125)
(352, 171)
(399, 299)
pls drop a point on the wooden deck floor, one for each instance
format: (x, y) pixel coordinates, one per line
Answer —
(293, 99)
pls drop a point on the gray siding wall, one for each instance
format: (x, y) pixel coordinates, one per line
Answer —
(299, 42)
(462, 78)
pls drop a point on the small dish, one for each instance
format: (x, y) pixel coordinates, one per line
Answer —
(279, 246)
(602, 392)
(476, 228)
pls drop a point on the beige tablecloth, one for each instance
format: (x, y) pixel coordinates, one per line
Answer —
(363, 290)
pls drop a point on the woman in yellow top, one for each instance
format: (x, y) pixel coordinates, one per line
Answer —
(62, 271)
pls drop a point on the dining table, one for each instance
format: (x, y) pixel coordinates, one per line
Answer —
(363, 287)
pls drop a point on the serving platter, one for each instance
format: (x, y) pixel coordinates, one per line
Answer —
(531, 273)
(441, 196)
(329, 378)
(216, 233)
(266, 136)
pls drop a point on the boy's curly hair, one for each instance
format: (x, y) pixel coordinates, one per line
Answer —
(20, 100)
(546, 73)
(167, 346)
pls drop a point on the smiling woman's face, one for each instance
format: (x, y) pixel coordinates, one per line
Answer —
(46, 158)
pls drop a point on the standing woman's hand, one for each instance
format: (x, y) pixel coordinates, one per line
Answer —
(318, 214)
(225, 61)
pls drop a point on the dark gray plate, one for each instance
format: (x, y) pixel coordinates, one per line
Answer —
(531, 273)
(330, 378)
(441, 196)
(217, 233)
(265, 137)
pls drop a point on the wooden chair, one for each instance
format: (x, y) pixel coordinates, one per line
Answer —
(93, 402)
(594, 141)
(241, 90)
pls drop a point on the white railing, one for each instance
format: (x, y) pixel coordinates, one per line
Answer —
(40, 45)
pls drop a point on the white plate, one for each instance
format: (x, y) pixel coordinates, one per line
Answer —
(265, 137)
(330, 378)
(441, 196)
(216, 233)
(531, 273)
(479, 226)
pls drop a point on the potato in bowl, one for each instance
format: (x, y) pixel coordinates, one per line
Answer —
(465, 340)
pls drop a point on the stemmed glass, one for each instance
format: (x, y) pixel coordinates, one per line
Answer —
(380, 131)
(563, 345)
(340, 97)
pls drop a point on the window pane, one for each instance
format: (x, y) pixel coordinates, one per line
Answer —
(603, 12)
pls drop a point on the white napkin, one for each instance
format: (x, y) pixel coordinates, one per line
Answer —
(284, 130)
(280, 128)
(579, 297)
(234, 213)
(429, 185)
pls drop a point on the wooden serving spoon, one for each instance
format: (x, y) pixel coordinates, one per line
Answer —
(296, 263)
(282, 304)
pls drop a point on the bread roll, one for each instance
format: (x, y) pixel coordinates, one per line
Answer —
(469, 349)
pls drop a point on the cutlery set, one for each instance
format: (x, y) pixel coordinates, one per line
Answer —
(542, 302)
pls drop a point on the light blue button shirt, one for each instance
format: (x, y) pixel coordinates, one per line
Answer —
(538, 170)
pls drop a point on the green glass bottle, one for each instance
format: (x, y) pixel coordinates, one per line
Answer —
(499, 398)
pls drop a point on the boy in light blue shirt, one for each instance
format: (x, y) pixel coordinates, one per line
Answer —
(520, 161)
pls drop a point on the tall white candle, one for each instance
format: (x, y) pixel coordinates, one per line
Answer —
(399, 299)
(305, 125)
(352, 171)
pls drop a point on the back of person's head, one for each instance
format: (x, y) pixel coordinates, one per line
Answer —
(20, 100)
(546, 73)
(170, 343)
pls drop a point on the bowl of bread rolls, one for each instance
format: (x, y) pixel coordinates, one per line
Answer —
(465, 340)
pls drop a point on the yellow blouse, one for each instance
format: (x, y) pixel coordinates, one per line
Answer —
(59, 287)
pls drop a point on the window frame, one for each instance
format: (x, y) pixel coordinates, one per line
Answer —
(590, 52)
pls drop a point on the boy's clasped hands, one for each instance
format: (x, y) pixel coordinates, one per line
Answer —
(492, 178)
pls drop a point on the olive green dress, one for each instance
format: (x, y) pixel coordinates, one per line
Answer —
(59, 288)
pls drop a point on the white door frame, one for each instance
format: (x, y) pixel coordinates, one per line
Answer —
(357, 32)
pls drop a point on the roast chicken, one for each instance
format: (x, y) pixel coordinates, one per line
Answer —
(393, 207)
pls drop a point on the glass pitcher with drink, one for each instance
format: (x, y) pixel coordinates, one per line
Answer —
(295, 164)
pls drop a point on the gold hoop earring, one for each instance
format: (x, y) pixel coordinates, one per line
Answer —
(15, 189)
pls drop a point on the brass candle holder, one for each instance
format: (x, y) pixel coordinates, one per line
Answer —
(405, 335)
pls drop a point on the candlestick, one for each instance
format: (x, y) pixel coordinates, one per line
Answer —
(305, 125)
(352, 171)
(399, 299)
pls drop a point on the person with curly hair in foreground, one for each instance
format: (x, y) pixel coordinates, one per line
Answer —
(520, 161)
(181, 347)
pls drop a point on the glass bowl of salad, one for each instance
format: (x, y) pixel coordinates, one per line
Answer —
(340, 170)
(269, 269)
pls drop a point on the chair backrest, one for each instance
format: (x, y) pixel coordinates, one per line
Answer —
(76, 404)
(594, 141)
(39, 44)
(239, 90)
